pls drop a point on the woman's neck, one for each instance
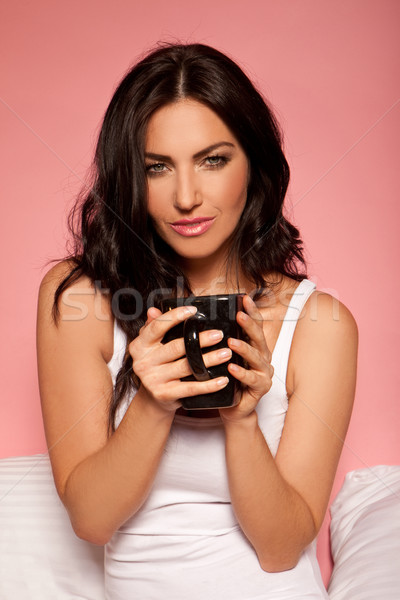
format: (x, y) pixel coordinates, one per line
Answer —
(208, 277)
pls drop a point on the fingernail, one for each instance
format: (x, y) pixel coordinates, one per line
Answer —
(216, 335)
(224, 353)
(222, 381)
(233, 342)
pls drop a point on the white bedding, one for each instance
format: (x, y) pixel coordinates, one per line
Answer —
(40, 556)
(42, 559)
(365, 536)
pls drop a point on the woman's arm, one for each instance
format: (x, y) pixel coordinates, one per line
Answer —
(103, 480)
(280, 503)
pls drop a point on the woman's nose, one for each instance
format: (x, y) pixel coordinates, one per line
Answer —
(187, 193)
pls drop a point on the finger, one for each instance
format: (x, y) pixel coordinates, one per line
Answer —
(210, 337)
(255, 358)
(181, 368)
(159, 326)
(256, 380)
(183, 389)
(175, 349)
(251, 322)
(217, 357)
(251, 308)
(152, 313)
(253, 329)
(240, 373)
(151, 355)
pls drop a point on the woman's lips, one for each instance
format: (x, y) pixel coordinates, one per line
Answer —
(192, 227)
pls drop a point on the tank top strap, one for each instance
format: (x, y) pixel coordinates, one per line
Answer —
(280, 356)
(117, 358)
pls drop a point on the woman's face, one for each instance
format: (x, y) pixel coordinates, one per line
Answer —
(197, 175)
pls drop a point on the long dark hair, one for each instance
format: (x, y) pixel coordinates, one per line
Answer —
(115, 244)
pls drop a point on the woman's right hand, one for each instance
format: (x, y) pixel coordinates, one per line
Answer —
(160, 367)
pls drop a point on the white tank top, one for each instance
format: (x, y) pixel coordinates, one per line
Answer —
(185, 541)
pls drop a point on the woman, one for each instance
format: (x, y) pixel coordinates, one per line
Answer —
(187, 196)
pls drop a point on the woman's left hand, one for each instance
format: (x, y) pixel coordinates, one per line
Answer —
(256, 379)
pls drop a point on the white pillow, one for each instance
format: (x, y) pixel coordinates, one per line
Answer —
(40, 556)
(365, 536)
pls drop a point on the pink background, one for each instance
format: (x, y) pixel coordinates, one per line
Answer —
(331, 71)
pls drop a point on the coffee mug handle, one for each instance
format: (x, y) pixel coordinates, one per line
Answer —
(192, 347)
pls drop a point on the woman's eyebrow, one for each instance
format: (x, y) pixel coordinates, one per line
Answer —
(197, 155)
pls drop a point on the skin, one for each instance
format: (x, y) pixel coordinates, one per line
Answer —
(279, 502)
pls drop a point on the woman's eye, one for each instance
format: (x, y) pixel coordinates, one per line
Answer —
(155, 168)
(216, 161)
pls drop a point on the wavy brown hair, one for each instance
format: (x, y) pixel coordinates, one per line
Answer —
(114, 242)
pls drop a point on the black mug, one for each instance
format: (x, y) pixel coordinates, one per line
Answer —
(213, 312)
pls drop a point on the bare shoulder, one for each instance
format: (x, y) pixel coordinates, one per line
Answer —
(323, 313)
(81, 308)
(326, 332)
(57, 273)
(51, 281)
